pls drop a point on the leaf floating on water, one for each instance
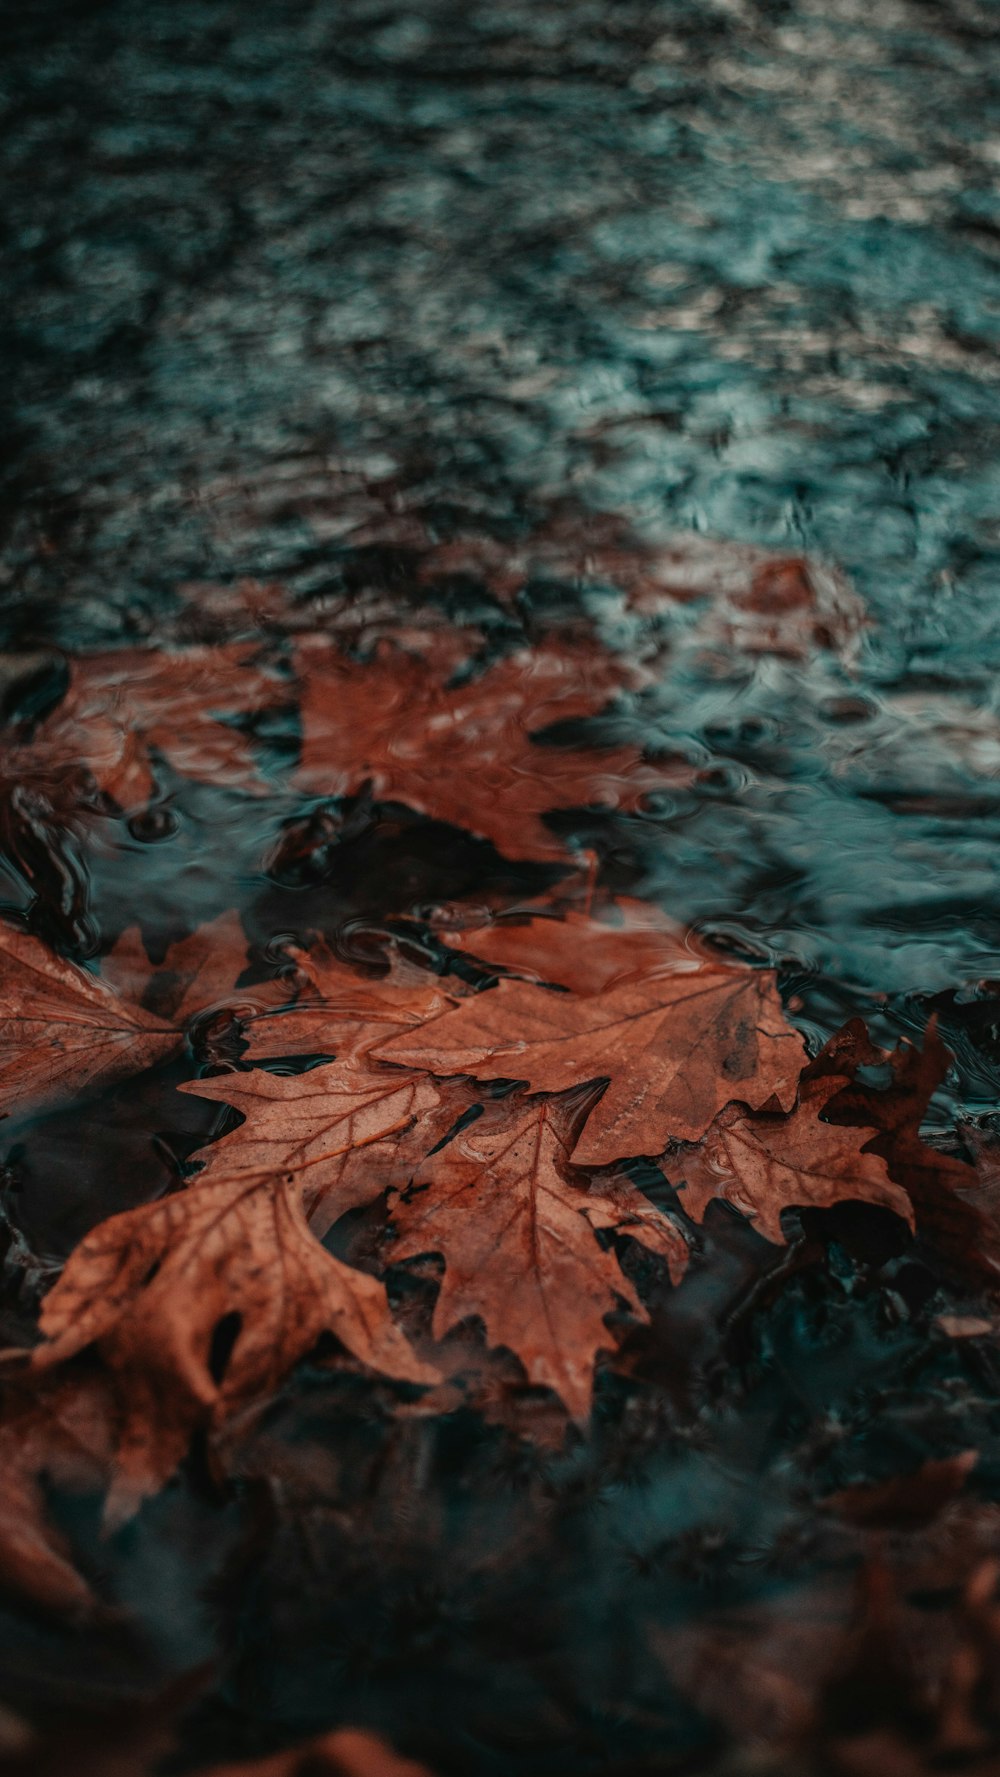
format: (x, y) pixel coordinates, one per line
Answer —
(152, 1288)
(675, 1047)
(517, 1239)
(121, 710)
(337, 1135)
(574, 951)
(347, 1752)
(763, 1165)
(63, 1030)
(59, 1431)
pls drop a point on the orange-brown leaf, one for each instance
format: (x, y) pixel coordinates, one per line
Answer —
(330, 1135)
(763, 1165)
(122, 709)
(151, 1287)
(342, 1012)
(466, 754)
(347, 1752)
(676, 1046)
(576, 952)
(517, 1239)
(63, 1030)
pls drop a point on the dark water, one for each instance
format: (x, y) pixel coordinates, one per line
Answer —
(293, 289)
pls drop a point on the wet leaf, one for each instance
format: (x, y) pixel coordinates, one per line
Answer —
(337, 1135)
(465, 754)
(51, 1432)
(63, 1030)
(124, 709)
(347, 1752)
(676, 1045)
(152, 1287)
(763, 1165)
(516, 1234)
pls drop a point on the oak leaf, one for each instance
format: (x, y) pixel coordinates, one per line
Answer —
(466, 754)
(337, 1135)
(63, 1029)
(763, 1165)
(122, 709)
(676, 1045)
(517, 1238)
(151, 1288)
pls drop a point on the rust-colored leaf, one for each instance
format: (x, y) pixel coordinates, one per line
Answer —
(63, 1030)
(336, 1135)
(123, 709)
(198, 973)
(763, 1165)
(572, 950)
(152, 1286)
(676, 1045)
(516, 1234)
(343, 1012)
(466, 754)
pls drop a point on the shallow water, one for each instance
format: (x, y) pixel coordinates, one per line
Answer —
(299, 297)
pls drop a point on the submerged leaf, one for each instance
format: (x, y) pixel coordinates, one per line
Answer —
(467, 754)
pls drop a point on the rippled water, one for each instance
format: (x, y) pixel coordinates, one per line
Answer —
(303, 295)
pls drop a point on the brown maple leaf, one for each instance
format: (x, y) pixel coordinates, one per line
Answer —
(574, 951)
(763, 1165)
(466, 754)
(63, 1030)
(337, 1135)
(516, 1235)
(61, 1432)
(340, 1011)
(676, 1045)
(123, 709)
(152, 1287)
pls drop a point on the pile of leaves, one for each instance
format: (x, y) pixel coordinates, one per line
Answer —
(456, 1160)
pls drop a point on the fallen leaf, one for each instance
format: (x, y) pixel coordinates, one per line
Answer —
(342, 1012)
(763, 1165)
(336, 1135)
(467, 754)
(63, 1030)
(676, 1046)
(61, 1433)
(122, 710)
(516, 1235)
(575, 951)
(951, 1209)
(151, 1287)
